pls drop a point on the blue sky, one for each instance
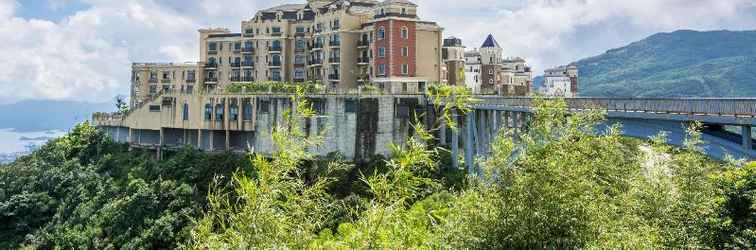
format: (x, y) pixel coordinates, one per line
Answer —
(83, 49)
(53, 10)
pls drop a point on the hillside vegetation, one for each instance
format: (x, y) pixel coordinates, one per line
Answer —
(560, 185)
(678, 64)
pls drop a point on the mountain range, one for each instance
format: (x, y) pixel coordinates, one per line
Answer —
(683, 63)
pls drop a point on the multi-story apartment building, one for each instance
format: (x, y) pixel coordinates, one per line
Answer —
(561, 81)
(341, 44)
(489, 71)
(149, 79)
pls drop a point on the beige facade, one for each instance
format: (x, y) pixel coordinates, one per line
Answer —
(329, 42)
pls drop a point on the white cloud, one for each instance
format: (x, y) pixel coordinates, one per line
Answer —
(88, 54)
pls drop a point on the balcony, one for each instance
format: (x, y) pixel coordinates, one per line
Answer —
(248, 64)
(333, 77)
(235, 79)
(165, 80)
(276, 49)
(335, 43)
(315, 62)
(316, 46)
(153, 80)
(235, 64)
(274, 33)
(248, 50)
(211, 65)
(212, 52)
(274, 64)
(190, 80)
(334, 60)
(363, 44)
(299, 63)
(274, 78)
(211, 80)
(248, 79)
(363, 60)
(237, 50)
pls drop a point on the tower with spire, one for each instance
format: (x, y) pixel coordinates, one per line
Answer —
(490, 51)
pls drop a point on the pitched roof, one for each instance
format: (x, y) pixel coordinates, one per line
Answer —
(490, 42)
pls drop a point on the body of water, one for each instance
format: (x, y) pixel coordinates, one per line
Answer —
(13, 143)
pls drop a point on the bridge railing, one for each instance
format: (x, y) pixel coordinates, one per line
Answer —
(691, 106)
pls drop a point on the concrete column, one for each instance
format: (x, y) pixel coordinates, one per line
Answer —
(228, 140)
(442, 132)
(160, 144)
(199, 139)
(455, 141)
(129, 139)
(470, 127)
(506, 119)
(747, 139)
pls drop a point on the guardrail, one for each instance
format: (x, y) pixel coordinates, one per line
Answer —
(692, 106)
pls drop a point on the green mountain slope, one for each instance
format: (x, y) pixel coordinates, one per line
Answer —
(678, 64)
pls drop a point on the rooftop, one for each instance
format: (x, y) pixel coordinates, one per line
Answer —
(285, 7)
(490, 42)
(405, 2)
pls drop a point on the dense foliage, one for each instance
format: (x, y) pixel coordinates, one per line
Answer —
(274, 87)
(681, 63)
(83, 191)
(559, 184)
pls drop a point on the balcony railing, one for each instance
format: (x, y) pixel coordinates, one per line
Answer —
(275, 79)
(275, 49)
(248, 79)
(212, 52)
(316, 61)
(248, 50)
(363, 60)
(274, 64)
(190, 80)
(165, 80)
(279, 33)
(211, 65)
(333, 77)
(235, 64)
(335, 43)
(237, 50)
(334, 60)
(363, 43)
(153, 80)
(235, 79)
(299, 63)
(211, 80)
(248, 64)
(316, 46)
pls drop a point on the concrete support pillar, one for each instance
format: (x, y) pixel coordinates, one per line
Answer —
(161, 141)
(212, 140)
(228, 140)
(470, 128)
(455, 141)
(129, 139)
(747, 138)
(442, 132)
(199, 139)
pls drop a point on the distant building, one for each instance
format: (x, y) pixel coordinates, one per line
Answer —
(341, 44)
(561, 81)
(492, 73)
(453, 56)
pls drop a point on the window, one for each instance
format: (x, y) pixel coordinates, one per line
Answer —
(247, 112)
(405, 33)
(300, 29)
(208, 112)
(212, 46)
(405, 51)
(299, 59)
(233, 113)
(381, 52)
(276, 44)
(185, 112)
(405, 69)
(382, 69)
(298, 73)
(237, 46)
(381, 33)
(300, 44)
(211, 61)
(404, 11)
(276, 30)
(219, 112)
(154, 108)
(153, 89)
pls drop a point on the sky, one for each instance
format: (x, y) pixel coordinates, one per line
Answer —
(83, 49)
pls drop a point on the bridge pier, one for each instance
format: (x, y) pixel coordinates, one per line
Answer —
(455, 141)
(747, 138)
(470, 128)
